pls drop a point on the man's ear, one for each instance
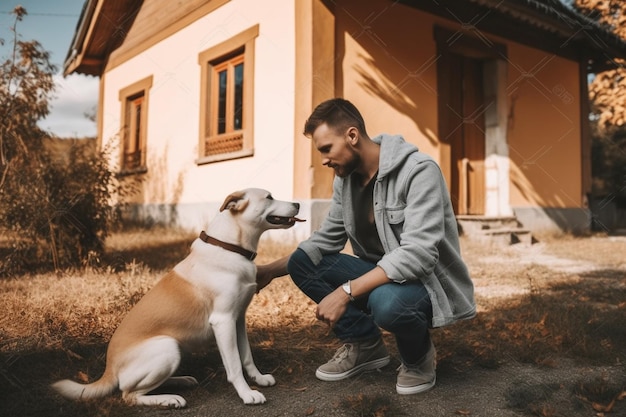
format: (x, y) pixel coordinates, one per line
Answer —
(235, 202)
(353, 135)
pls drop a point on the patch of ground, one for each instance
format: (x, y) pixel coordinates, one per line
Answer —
(524, 355)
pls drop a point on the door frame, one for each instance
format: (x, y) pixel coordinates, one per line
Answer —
(450, 46)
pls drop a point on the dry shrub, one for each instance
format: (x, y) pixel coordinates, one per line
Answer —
(54, 210)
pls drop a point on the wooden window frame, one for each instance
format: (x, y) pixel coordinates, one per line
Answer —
(228, 66)
(130, 96)
(239, 48)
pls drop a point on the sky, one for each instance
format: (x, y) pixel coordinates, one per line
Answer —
(52, 23)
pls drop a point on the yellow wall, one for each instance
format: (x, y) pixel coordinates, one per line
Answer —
(387, 68)
(381, 55)
(544, 129)
(173, 124)
(174, 177)
(386, 64)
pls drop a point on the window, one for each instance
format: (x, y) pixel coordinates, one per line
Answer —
(134, 99)
(226, 106)
(227, 103)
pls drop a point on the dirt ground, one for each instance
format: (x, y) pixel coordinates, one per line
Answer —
(465, 386)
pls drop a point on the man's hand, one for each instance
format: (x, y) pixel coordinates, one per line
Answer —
(332, 307)
(266, 273)
(263, 277)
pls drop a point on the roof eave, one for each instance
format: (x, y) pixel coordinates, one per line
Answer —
(75, 55)
(566, 31)
(101, 29)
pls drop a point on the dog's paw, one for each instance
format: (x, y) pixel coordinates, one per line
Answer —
(252, 397)
(264, 380)
(174, 401)
(160, 400)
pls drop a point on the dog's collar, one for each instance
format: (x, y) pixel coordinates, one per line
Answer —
(233, 248)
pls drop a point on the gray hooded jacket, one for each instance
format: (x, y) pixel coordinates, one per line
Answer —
(416, 225)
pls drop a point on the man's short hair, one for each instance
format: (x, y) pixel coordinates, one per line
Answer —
(338, 114)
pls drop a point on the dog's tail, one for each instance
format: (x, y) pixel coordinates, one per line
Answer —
(76, 391)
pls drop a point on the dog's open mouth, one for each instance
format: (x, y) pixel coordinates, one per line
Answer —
(283, 220)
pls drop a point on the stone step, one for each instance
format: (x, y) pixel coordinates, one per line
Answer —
(508, 236)
(496, 230)
(470, 224)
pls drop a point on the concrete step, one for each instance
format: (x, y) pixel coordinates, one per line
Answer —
(470, 224)
(499, 230)
(508, 236)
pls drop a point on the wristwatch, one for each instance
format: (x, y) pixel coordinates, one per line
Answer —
(348, 289)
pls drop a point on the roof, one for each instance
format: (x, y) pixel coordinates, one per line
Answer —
(101, 28)
(600, 43)
(548, 25)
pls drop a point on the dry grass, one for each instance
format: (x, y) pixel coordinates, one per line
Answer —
(85, 306)
(562, 297)
(530, 311)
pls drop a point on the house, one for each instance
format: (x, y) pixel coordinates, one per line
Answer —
(202, 97)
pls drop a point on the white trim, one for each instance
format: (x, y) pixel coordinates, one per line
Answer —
(496, 145)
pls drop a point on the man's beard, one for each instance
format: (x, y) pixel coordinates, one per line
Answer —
(349, 167)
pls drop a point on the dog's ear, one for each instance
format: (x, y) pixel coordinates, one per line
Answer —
(235, 202)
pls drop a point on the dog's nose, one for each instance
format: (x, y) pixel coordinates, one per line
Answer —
(297, 205)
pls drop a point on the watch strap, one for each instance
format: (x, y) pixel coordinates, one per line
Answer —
(348, 290)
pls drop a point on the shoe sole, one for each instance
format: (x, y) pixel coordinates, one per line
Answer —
(417, 389)
(367, 366)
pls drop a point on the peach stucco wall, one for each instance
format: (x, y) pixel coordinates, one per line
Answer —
(544, 129)
(384, 59)
(173, 176)
(387, 66)
(387, 72)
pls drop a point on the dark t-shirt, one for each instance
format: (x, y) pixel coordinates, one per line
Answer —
(366, 233)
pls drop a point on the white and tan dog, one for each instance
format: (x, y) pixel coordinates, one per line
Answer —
(207, 293)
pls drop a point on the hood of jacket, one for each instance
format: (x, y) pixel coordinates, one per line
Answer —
(394, 150)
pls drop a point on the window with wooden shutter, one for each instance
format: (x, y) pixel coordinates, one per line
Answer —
(226, 102)
(226, 118)
(133, 133)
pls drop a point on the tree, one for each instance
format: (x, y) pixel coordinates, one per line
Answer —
(607, 93)
(53, 212)
(25, 86)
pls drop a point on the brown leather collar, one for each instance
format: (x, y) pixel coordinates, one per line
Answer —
(233, 248)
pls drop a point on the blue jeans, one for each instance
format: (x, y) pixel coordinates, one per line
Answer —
(402, 309)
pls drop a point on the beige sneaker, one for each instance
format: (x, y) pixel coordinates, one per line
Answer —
(419, 378)
(354, 358)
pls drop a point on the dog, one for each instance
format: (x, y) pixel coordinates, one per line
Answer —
(206, 294)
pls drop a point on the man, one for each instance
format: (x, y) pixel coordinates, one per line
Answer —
(407, 275)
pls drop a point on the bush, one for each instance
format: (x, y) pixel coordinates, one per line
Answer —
(54, 207)
(57, 213)
(609, 166)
